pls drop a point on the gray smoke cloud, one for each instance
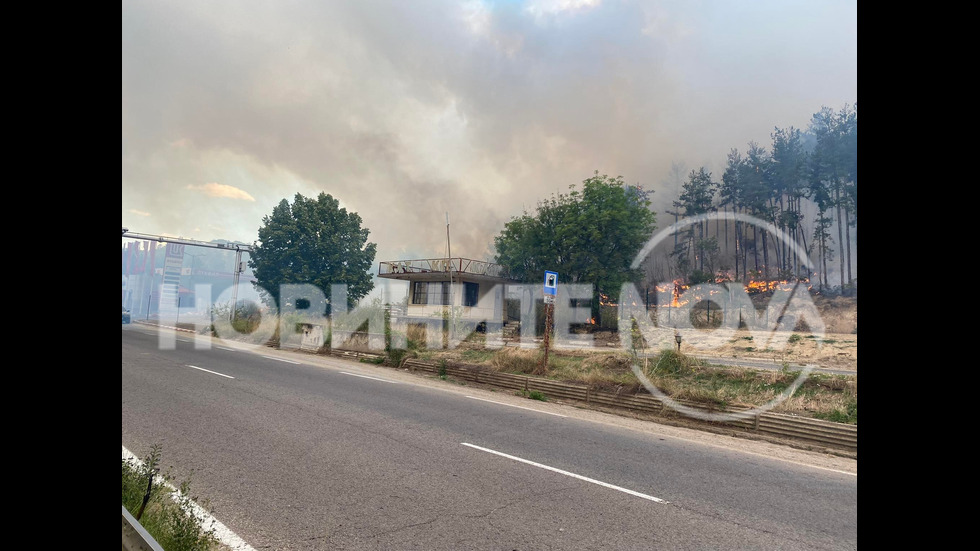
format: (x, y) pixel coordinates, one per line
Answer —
(405, 111)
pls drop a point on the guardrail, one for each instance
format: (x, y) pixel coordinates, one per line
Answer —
(817, 431)
(804, 429)
(134, 536)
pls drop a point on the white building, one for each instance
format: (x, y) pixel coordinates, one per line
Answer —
(474, 289)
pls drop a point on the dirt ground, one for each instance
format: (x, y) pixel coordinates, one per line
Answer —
(837, 349)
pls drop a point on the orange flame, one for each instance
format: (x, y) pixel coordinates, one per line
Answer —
(604, 300)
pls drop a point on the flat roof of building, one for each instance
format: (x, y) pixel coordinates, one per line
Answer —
(434, 269)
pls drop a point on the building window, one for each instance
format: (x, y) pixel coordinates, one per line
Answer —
(471, 293)
(433, 292)
(418, 292)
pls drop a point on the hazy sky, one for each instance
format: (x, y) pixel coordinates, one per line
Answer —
(407, 110)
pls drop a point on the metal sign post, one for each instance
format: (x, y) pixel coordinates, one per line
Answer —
(550, 292)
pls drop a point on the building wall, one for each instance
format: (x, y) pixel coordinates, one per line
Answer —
(489, 307)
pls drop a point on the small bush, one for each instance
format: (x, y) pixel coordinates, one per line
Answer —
(671, 362)
(397, 356)
(533, 395)
(848, 414)
(415, 335)
(168, 515)
(516, 360)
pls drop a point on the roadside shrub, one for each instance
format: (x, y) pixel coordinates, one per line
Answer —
(516, 360)
(397, 356)
(670, 362)
(168, 515)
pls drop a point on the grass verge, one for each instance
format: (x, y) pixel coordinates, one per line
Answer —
(829, 397)
(167, 514)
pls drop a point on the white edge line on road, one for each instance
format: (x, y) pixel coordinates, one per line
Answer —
(209, 371)
(228, 349)
(224, 534)
(280, 359)
(566, 473)
(368, 377)
(513, 406)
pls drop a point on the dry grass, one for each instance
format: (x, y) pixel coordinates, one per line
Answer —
(675, 374)
(516, 360)
(416, 335)
(839, 315)
(684, 376)
(599, 370)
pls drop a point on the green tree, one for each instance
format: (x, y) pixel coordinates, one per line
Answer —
(731, 193)
(316, 242)
(833, 176)
(697, 196)
(758, 190)
(789, 187)
(587, 236)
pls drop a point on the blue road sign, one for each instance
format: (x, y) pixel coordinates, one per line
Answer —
(550, 283)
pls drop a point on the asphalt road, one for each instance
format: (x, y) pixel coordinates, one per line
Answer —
(296, 451)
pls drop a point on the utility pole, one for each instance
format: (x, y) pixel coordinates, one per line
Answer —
(449, 266)
(549, 312)
(550, 296)
(234, 285)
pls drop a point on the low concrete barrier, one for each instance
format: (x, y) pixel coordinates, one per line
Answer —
(826, 433)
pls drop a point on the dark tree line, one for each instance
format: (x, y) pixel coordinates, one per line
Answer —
(816, 168)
